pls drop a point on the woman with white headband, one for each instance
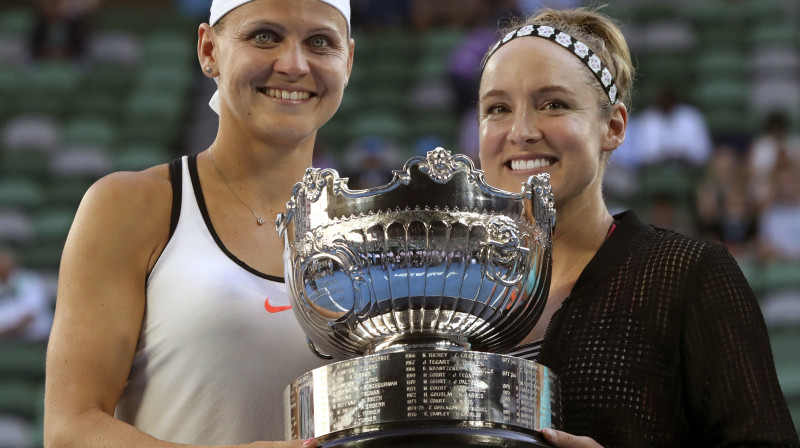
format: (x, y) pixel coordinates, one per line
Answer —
(173, 325)
(656, 338)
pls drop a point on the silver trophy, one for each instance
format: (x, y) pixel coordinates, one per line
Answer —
(421, 283)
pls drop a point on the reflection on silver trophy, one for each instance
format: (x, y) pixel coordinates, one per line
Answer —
(421, 283)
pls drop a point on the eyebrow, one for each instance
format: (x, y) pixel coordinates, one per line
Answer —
(282, 29)
(545, 89)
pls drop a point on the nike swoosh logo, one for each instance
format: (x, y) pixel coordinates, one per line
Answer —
(275, 309)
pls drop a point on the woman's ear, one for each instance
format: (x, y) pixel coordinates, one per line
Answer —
(350, 54)
(617, 125)
(206, 44)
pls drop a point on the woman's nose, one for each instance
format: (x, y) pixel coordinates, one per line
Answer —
(291, 60)
(524, 129)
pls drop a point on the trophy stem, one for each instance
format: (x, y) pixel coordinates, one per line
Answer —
(445, 398)
(410, 342)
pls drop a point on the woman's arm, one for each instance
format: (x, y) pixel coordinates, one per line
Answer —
(732, 390)
(99, 309)
(118, 233)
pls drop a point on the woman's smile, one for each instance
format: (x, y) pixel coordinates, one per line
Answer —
(294, 96)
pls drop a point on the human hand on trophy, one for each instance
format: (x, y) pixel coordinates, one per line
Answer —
(561, 439)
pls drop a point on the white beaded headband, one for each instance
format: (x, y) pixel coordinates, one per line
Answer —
(578, 48)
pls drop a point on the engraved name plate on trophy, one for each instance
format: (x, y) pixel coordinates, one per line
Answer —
(419, 286)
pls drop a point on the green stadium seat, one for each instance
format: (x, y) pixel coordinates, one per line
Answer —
(121, 18)
(781, 276)
(717, 63)
(98, 104)
(785, 341)
(765, 11)
(52, 225)
(140, 159)
(23, 194)
(22, 360)
(18, 397)
(335, 133)
(441, 41)
(149, 106)
(66, 192)
(721, 94)
(385, 125)
(166, 79)
(794, 409)
(17, 22)
(669, 181)
(785, 34)
(711, 13)
(647, 12)
(662, 67)
(24, 163)
(43, 256)
(170, 49)
(55, 78)
(91, 131)
(444, 126)
(113, 80)
(722, 119)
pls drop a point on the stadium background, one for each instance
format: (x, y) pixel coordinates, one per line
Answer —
(135, 97)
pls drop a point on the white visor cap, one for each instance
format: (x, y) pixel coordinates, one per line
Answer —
(221, 7)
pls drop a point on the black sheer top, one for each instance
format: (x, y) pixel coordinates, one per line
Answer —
(661, 343)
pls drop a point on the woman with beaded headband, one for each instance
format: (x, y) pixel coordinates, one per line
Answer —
(173, 325)
(656, 338)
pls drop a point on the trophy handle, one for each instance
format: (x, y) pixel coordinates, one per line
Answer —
(506, 252)
(317, 352)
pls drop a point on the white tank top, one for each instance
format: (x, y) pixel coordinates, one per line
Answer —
(218, 344)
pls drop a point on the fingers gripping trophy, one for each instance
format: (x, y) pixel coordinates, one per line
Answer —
(420, 284)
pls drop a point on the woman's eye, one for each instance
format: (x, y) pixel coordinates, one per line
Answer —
(319, 42)
(555, 105)
(496, 109)
(264, 37)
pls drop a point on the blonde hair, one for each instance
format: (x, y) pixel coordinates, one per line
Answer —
(600, 32)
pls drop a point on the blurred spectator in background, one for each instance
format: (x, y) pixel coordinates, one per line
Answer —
(672, 132)
(193, 8)
(61, 29)
(370, 161)
(775, 145)
(25, 309)
(426, 14)
(780, 219)
(665, 210)
(724, 210)
(531, 6)
(375, 15)
(463, 67)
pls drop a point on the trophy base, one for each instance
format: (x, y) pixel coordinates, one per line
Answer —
(438, 437)
(423, 397)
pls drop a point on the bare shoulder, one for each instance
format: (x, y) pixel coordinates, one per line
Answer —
(127, 209)
(130, 186)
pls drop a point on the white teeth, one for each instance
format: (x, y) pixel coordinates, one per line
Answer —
(287, 95)
(519, 165)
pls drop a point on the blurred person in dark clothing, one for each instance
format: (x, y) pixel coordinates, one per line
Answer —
(26, 313)
(723, 208)
(61, 29)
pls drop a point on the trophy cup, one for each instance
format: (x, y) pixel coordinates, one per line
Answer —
(419, 285)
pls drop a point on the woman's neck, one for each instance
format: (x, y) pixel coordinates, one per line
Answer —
(263, 173)
(580, 231)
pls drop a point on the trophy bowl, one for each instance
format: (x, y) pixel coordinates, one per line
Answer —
(420, 285)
